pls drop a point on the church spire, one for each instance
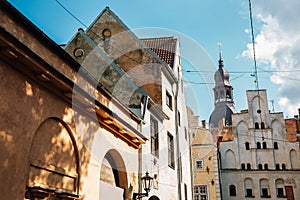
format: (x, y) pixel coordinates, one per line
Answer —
(224, 104)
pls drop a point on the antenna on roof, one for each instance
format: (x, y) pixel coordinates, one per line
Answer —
(273, 108)
(253, 47)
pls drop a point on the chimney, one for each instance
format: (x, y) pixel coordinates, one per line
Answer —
(203, 124)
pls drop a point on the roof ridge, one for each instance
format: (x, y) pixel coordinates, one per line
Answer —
(171, 37)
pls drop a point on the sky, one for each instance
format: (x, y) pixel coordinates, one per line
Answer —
(201, 24)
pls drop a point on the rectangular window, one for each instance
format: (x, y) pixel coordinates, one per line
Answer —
(200, 192)
(171, 160)
(154, 136)
(249, 193)
(264, 192)
(280, 192)
(168, 100)
(199, 164)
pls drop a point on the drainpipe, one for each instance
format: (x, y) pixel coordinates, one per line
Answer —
(179, 168)
(191, 165)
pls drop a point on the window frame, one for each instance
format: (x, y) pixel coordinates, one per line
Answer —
(196, 165)
(171, 157)
(169, 100)
(232, 190)
(202, 191)
(154, 136)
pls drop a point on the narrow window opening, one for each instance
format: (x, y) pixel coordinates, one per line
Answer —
(258, 146)
(247, 145)
(264, 145)
(232, 190)
(243, 166)
(275, 145)
(248, 166)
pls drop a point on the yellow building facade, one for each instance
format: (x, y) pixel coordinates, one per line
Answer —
(204, 161)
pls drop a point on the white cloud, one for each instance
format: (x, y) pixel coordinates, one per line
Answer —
(278, 46)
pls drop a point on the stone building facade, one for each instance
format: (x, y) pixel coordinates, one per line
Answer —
(259, 163)
(76, 122)
(63, 135)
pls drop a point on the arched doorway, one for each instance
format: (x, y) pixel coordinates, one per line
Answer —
(54, 162)
(113, 176)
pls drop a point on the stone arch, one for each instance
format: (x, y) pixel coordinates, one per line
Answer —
(293, 159)
(242, 128)
(54, 160)
(279, 184)
(113, 171)
(277, 129)
(230, 160)
(153, 198)
(248, 185)
(264, 187)
(258, 103)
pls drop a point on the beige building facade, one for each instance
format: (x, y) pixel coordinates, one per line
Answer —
(204, 161)
(80, 123)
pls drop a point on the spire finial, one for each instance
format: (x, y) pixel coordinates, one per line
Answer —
(220, 55)
(220, 50)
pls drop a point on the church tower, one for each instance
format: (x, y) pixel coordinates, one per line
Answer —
(223, 99)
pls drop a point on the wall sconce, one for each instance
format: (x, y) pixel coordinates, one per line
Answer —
(147, 182)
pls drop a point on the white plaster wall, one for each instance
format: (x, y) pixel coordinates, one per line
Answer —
(244, 131)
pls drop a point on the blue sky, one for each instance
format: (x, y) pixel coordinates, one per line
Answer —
(205, 22)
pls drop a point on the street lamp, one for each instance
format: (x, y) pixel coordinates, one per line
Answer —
(146, 181)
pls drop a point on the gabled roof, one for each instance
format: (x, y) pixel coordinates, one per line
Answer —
(164, 47)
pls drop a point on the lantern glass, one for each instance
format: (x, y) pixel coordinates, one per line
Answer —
(147, 182)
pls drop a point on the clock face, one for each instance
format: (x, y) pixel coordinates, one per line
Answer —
(106, 33)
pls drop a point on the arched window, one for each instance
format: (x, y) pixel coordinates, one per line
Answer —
(247, 145)
(232, 190)
(294, 159)
(264, 188)
(248, 184)
(280, 187)
(277, 166)
(260, 166)
(283, 166)
(228, 95)
(243, 166)
(256, 125)
(266, 166)
(248, 166)
(262, 125)
(275, 145)
(258, 146)
(264, 145)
